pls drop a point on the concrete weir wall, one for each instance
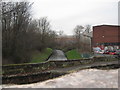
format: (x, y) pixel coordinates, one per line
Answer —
(30, 78)
(28, 73)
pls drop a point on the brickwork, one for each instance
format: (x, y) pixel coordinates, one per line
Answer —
(106, 34)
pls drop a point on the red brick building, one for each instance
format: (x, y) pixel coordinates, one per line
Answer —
(107, 35)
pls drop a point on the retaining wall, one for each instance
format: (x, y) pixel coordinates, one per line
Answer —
(30, 78)
(48, 65)
(29, 73)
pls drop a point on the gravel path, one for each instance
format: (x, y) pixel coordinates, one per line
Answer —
(57, 55)
(89, 78)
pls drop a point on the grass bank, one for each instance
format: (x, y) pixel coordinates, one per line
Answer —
(73, 54)
(41, 56)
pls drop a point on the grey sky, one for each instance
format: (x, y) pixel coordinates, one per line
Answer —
(66, 14)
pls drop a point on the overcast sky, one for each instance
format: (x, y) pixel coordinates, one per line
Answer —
(66, 14)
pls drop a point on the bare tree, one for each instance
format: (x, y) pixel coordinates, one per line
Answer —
(15, 23)
(44, 28)
(87, 36)
(61, 32)
(21, 35)
(78, 30)
(87, 29)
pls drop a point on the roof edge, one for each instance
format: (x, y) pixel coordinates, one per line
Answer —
(107, 25)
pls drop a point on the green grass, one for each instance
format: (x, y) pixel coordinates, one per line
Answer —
(41, 56)
(73, 54)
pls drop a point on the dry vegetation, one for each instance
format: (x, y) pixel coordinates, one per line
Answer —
(21, 35)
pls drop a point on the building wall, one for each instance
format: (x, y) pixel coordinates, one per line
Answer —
(106, 34)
